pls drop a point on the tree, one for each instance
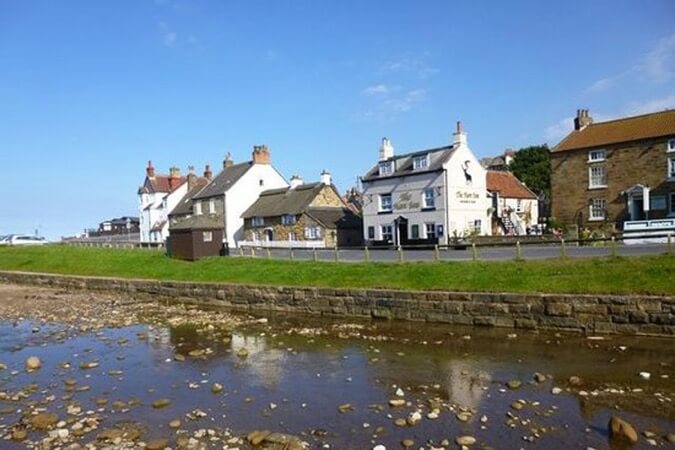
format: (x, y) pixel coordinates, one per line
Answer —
(532, 166)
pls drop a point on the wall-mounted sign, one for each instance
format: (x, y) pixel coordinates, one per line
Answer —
(405, 201)
(467, 197)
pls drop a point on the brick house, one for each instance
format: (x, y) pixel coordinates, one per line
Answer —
(311, 215)
(607, 173)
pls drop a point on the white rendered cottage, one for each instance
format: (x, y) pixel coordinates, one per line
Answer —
(425, 197)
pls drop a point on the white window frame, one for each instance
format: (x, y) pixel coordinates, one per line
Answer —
(429, 198)
(386, 168)
(430, 231)
(420, 162)
(212, 206)
(477, 225)
(595, 182)
(389, 232)
(670, 148)
(597, 155)
(313, 232)
(594, 207)
(391, 203)
(257, 221)
(198, 208)
(207, 236)
(671, 168)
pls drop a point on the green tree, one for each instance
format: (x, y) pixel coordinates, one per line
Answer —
(532, 166)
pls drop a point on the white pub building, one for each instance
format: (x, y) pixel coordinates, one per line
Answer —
(426, 197)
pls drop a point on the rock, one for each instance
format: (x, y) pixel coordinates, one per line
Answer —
(88, 365)
(175, 423)
(514, 384)
(407, 443)
(345, 408)
(161, 403)
(539, 377)
(43, 421)
(465, 440)
(19, 434)
(574, 381)
(670, 437)
(33, 363)
(216, 388)
(517, 406)
(110, 434)
(242, 352)
(157, 444)
(556, 391)
(621, 430)
(178, 357)
(380, 447)
(463, 417)
(396, 402)
(645, 375)
(401, 422)
(257, 437)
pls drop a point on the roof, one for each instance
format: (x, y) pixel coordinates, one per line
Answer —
(184, 206)
(507, 185)
(201, 222)
(224, 180)
(403, 164)
(161, 183)
(628, 129)
(277, 202)
(335, 217)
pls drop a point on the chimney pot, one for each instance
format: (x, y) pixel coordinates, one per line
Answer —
(582, 120)
(459, 136)
(296, 181)
(207, 172)
(191, 178)
(386, 149)
(261, 155)
(326, 178)
(227, 162)
(150, 170)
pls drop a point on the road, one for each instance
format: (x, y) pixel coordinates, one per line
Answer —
(483, 253)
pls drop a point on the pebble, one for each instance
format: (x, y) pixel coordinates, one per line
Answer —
(33, 363)
(465, 440)
(161, 403)
(645, 375)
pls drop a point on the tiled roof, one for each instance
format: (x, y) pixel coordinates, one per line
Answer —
(224, 180)
(628, 129)
(163, 183)
(507, 185)
(403, 164)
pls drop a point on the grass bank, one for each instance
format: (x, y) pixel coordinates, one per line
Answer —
(639, 275)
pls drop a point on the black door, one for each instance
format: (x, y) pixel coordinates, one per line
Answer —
(402, 226)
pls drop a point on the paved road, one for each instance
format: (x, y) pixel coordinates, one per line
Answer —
(484, 253)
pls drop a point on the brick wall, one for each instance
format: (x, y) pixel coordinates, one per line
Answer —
(624, 314)
(627, 164)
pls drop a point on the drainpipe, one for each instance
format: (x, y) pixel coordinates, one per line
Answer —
(225, 219)
(447, 206)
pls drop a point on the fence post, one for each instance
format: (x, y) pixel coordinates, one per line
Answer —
(337, 254)
(269, 252)
(613, 247)
(437, 255)
(519, 251)
(291, 256)
(669, 248)
(474, 251)
(241, 251)
(400, 254)
(563, 250)
(314, 255)
(366, 253)
(252, 252)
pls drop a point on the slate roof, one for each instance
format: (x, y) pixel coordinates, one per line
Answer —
(403, 164)
(184, 206)
(224, 180)
(333, 217)
(204, 221)
(628, 129)
(277, 202)
(507, 185)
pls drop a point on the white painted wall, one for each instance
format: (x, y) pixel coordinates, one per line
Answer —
(527, 205)
(243, 194)
(162, 204)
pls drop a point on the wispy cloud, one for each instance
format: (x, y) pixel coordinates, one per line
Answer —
(407, 101)
(415, 66)
(391, 100)
(378, 89)
(167, 34)
(656, 66)
(557, 131)
(649, 106)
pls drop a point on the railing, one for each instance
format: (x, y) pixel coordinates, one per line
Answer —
(283, 244)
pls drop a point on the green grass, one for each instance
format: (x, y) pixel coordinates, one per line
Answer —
(638, 275)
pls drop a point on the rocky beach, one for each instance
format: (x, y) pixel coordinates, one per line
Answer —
(82, 370)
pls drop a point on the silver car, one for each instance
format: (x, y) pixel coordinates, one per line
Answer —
(23, 239)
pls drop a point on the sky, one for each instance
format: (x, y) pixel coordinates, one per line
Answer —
(90, 91)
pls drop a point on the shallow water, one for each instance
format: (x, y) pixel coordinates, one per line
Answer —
(294, 383)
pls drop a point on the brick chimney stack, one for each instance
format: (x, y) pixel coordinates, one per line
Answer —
(174, 177)
(150, 170)
(582, 120)
(191, 178)
(207, 172)
(261, 155)
(227, 162)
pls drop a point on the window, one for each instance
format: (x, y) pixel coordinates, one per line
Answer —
(385, 203)
(288, 219)
(671, 167)
(671, 145)
(519, 205)
(291, 236)
(597, 176)
(371, 232)
(254, 235)
(386, 168)
(430, 229)
(477, 225)
(598, 209)
(429, 200)
(313, 232)
(261, 182)
(212, 206)
(257, 221)
(207, 236)
(387, 232)
(672, 203)
(596, 155)
(415, 231)
(420, 162)
(198, 207)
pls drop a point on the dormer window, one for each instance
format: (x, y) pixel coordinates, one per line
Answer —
(257, 221)
(420, 162)
(597, 155)
(386, 168)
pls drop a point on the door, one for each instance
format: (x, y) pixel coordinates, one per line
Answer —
(402, 230)
(269, 235)
(638, 212)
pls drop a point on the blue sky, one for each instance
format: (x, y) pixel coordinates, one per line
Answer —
(90, 91)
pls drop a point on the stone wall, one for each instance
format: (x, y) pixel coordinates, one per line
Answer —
(586, 313)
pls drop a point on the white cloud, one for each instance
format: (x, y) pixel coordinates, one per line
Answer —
(557, 131)
(649, 106)
(378, 89)
(406, 102)
(410, 65)
(167, 34)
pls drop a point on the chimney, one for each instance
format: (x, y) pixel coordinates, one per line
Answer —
(174, 177)
(508, 156)
(207, 172)
(295, 181)
(191, 178)
(150, 170)
(582, 120)
(459, 136)
(386, 149)
(325, 178)
(260, 155)
(227, 162)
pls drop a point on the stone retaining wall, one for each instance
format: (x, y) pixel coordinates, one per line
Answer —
(588, 313)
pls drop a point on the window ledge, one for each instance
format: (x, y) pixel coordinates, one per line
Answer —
(595, 161)
(596, 219)
(430, 208)
(592, 188)
(385, 212)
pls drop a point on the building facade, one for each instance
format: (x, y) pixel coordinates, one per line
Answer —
(425, 197)
(515, 208)
(605, 174)
(309, 215)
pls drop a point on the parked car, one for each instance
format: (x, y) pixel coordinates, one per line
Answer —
(4, 240)
(24, 239)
